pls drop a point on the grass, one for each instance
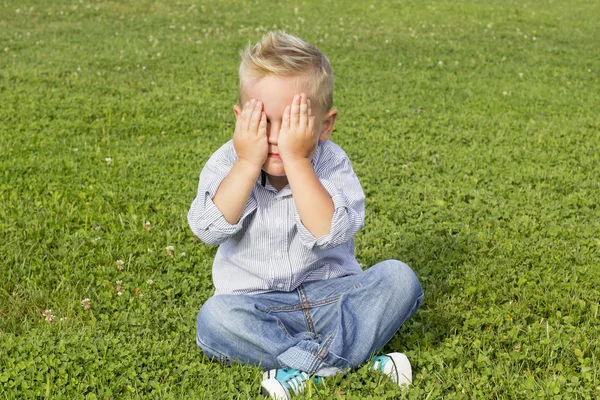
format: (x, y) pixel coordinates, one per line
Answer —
(473, 127)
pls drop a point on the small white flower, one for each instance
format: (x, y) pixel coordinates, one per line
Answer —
(108, 160)
(120, 264)
(149, 281)
(119, 293)
(75, 149)
(505, 93)
(118, 288)
(149, 250)
(48, 315)
(170, 250)
(147, 226)
(183, 254)
(86, 304)
(520, 75)
(440, 63)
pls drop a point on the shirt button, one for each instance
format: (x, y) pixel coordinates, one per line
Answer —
(278, 255)
(280, 286)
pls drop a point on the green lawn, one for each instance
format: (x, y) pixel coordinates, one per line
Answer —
(473, 126)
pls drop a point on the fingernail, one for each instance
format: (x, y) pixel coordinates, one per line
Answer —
(258, 104)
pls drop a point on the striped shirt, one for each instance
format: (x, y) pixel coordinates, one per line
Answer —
(269, 249)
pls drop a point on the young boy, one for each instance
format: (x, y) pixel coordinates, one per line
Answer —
(284, 204)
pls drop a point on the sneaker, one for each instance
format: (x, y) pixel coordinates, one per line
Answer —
(396, 366)
(279, 384)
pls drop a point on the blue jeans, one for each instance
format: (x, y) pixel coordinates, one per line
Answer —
(321, 328)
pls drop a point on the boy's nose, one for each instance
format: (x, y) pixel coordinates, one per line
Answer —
(272, 133)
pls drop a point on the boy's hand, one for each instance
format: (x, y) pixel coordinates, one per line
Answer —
(250, 136)
(297, 137)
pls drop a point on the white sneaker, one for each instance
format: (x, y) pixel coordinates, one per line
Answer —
(396, 366)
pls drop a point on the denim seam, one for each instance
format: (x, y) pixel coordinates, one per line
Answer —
(325, 346)
(222, 358)
(298, 307)
(306, 309)
(282, 327)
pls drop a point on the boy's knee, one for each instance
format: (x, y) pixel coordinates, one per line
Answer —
(211, 320)
(400, 278)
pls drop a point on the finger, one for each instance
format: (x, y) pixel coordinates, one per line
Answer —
(285, 120)
(247, 113)
(309, 107)
(240, 123)
(255, 117)
(262, 126)
(295, 111)
(311, 124)
(303, 111)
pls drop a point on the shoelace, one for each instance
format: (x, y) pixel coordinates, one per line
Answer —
(293, 379)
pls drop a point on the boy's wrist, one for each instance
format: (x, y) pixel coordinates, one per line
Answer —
(249, 168)
(293, 164)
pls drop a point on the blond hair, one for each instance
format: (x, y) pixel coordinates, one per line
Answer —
(285, 55)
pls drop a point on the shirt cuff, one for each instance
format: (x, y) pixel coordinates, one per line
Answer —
(214, 220)
(339, 223)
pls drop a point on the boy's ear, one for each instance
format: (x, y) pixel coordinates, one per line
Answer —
(237, 110)
(327, 125)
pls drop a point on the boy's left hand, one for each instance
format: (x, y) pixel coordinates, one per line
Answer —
(297, 137)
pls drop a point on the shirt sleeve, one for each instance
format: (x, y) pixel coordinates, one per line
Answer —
(348, 198)
(205, 219)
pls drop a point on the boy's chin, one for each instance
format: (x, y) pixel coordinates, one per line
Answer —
(274, 172)
(274, 168)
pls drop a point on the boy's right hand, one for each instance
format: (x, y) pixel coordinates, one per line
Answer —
(250, 136)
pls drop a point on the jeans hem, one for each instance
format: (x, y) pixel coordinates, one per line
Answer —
(308, 361)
